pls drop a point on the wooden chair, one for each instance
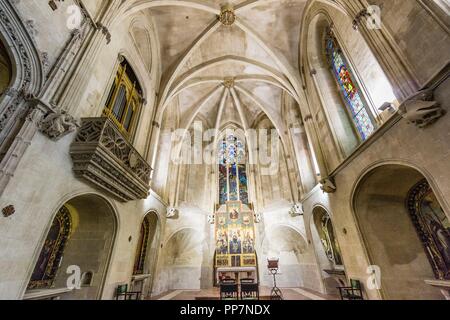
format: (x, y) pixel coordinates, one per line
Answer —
(122, 292)
(249, 290)
(229, 290)
(354, 292)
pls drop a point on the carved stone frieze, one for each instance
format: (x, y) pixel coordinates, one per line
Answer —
(103, 156)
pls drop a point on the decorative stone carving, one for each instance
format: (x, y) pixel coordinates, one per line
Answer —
(258, 217)
(105, 32)
(227, 16)
(8, 211)
(212, 219)
(103, 156)
(328, 185)
(15, 131)
(359, 17)
(421, 110)
(172, 213)
(45, 61)
(228, 82)
(297, 210)
(58, 124)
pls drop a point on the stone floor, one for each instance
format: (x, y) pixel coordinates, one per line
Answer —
(213, 294)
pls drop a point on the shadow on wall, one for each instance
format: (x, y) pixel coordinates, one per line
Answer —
(183, 259)
(393, 204)
(297, 268)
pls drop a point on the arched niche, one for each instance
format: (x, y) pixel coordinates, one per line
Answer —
(296, 263)
(327, 250)
(398, 214)
(183, 259)
(146, 253)
(81, 234)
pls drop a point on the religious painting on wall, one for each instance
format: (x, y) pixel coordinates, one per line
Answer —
(433, 227)
(49, 260)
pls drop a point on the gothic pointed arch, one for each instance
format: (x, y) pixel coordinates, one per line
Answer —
(26, 81)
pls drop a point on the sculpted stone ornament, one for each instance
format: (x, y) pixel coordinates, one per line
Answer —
(172, 213)
(258, 217)
(227, 16)
(8, 211)
(212, 219)
(421, 110)
(58, 124)
(328, 185)
(228, 82)
(297, 210)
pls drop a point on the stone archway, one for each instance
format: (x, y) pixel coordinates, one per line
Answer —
(390, 234)
(183, 259)
(88, 229)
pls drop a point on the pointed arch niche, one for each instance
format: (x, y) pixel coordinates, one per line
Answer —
(349, 82)
(146, 254)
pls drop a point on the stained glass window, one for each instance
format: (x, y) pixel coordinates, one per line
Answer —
(432, 226)
(49, 260)
(141, 253)
(349, 88)
(232, 170)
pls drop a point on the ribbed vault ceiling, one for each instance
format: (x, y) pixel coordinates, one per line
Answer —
(225, 73)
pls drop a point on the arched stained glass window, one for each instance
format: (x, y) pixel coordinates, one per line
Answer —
(433, 227)
(349, 88)
(47, 266)
(141, 253)
(233, 184)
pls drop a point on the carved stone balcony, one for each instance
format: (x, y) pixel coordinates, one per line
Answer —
(103, 156)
